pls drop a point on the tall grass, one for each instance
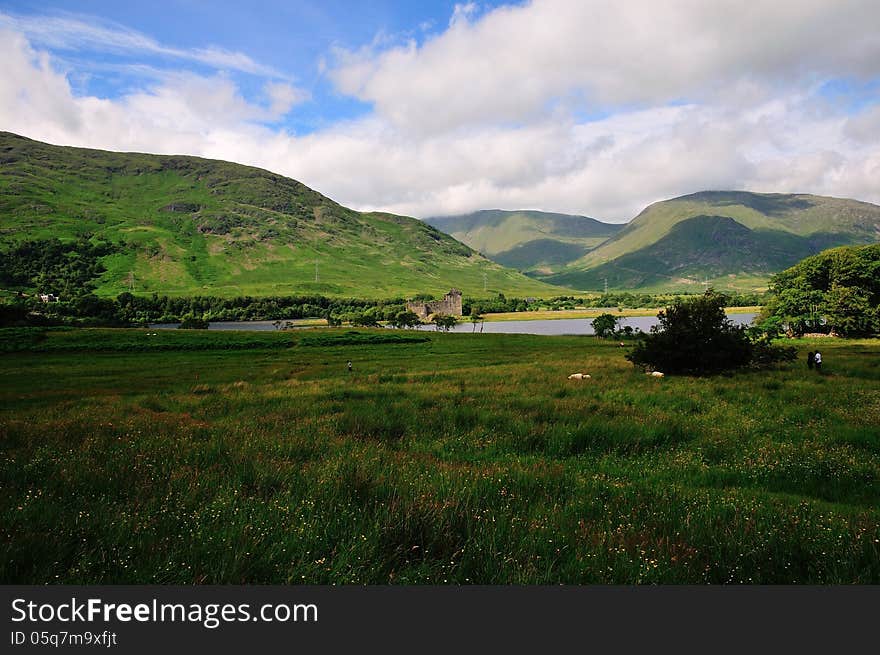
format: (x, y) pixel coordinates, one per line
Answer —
(459, 459)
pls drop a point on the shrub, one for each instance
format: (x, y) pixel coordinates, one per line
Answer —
(191, 322)
(695, 337)
(765, 354)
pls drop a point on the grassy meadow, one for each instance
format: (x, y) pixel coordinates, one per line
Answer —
(212, 457)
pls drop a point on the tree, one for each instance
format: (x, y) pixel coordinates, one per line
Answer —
(367, 318)
(190, 322)
(837, 288)
(799, 308)
(848, 311)
(475, 318)
(444, 322)
(694, 337)
(605, 325)
(405, 319)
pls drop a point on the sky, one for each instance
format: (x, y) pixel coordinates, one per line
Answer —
(432, 108)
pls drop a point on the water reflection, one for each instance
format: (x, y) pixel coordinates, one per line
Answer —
(543, 326)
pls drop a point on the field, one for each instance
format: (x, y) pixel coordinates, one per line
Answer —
(205, 457)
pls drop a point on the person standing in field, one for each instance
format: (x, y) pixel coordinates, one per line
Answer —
(811, 359)
(817, 359)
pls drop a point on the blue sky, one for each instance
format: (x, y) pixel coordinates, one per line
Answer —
(426, 108)
(291, 37)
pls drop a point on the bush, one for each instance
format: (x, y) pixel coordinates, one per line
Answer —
(13, 314)
(191, 322)
(695, 337)
(765, 354)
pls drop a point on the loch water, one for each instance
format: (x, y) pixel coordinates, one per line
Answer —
(558, 326)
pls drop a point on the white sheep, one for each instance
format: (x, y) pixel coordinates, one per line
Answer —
(655, 374)
(579, 376)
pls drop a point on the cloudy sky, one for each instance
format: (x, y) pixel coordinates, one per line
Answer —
(426, 108)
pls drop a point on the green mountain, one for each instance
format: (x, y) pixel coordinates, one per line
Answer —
(731, 239)
(537, 242)
(192, 226)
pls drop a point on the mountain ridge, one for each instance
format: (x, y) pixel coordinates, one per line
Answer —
(526, 239)
(652, 251)
(196, 226)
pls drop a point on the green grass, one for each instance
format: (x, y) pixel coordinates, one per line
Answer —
(108, 340)
(456, 459)
(195, 226)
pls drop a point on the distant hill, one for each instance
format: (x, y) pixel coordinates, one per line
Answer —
(532, 241)
(192, 226)
(731, 239)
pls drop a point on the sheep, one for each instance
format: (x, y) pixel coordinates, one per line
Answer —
(655, 374)
(579, 376)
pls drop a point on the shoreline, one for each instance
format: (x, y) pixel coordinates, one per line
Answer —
(542, 315)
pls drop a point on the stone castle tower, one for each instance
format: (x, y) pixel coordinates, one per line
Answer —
(450, 306)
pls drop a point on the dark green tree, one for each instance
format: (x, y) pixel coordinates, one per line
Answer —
(444, 322)
(605, 325)
(799, 308)
(836, 289)
(694, 337)
(190, 322)
(364, 319)
(405, 320)
(848, 311)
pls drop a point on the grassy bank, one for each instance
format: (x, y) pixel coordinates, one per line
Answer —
(447, 458)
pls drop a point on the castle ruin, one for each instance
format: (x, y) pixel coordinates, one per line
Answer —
(449, 306)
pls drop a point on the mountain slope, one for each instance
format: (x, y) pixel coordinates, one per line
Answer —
(196, 226)
(537, 241)
(733, 239)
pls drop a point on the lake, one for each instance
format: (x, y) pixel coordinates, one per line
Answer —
(541, 326)
(571, 325)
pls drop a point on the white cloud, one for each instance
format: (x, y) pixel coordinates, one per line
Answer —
(69, 32)
(181, 113)
(283, 97)
(515, 62)
(462, 12)
(865, 126)
(490, 113)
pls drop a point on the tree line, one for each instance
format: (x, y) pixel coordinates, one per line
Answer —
(71, 270)
(837, 290)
